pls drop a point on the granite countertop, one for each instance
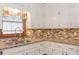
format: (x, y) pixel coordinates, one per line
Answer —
(3, 47)
(8, 46)
(65, 36)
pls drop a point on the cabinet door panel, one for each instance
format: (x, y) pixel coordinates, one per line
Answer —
(34, 51)
(21, 53)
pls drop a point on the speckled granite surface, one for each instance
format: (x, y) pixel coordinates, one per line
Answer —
(8, 46)
(66, 36)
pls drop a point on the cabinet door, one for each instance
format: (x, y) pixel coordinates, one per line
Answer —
(34, 51)
(21, 53)
(44, 50)
(71, 50)
(72, 53)
(49, 51)
(57, 51)
(14, 51)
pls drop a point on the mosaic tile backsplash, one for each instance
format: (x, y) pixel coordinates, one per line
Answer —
(69, 36)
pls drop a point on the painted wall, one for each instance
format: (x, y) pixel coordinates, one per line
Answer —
(62, 15)
(54, 15)
(35, 9)
(49, 15)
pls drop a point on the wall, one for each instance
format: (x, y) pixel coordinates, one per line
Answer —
(45, 15)
(54, 15)
(62, 15)
(35, 9)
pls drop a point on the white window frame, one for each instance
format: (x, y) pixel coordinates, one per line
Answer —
(11, 21)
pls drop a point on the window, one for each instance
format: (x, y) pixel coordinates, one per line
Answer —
(12, 24)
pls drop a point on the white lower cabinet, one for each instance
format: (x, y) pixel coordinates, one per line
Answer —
(43, 48)
(15, 51)
(72, 51)
(20, 53)
(63, 49)
(42, 51)
(56, 51)
(34, 51)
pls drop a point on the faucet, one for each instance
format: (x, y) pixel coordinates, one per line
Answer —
(17, 35)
